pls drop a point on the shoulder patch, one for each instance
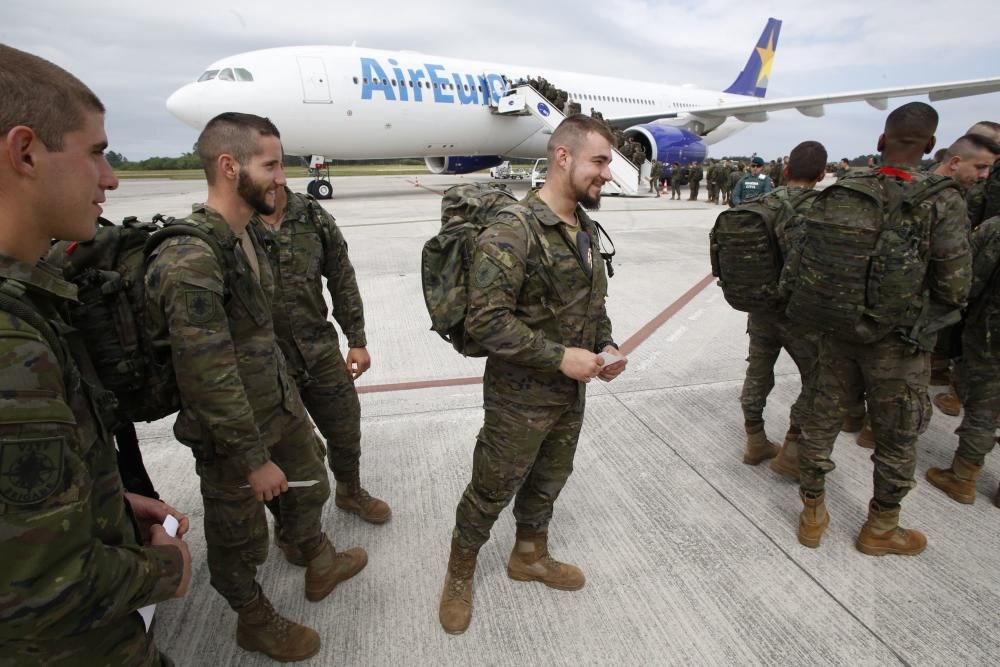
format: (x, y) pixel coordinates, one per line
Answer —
(200, 305)
(486, 273)
(31, 469)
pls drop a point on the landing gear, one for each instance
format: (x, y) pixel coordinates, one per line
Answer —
(320, 186)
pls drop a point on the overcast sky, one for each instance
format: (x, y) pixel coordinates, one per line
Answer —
(134, 53)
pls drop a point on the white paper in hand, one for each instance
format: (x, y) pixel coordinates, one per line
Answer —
(170, 525)
(607, 358)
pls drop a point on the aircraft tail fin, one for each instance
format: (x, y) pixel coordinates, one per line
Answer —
(756, 73)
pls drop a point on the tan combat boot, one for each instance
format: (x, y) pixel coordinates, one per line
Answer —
(261, 628)
(882, 535)
(813, 520)
(354, 499)
(326, 567)
(455, 607)
(948, 402)
(958, 481)
(866, 438)
(786, 463)
(530, 561)
(758, 448)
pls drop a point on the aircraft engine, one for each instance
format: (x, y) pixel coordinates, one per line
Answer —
(461, 164)
(669, 144)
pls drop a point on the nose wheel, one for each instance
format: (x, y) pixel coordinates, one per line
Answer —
(320, 189)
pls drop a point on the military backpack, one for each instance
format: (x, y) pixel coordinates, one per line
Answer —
(859, 268)
(745, 252)
(110, 313)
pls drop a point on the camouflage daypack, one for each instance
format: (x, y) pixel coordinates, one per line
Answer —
(991, 192)
(982, 318)
(446, 258)
(109, 271)
(859, 269)
(746, 256)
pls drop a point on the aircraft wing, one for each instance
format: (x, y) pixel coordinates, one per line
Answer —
(754, 110)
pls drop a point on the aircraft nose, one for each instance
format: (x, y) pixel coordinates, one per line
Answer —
(183, 105)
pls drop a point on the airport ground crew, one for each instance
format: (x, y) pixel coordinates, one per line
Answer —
(895, 370)
(753, 185)
(74, 569)
(978, 372)
(304, 246)
(771, 332)
(543, 330)
(695, 180)
(241, 414)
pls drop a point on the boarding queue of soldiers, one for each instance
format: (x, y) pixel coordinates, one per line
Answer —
(882, 382)
(255, 356)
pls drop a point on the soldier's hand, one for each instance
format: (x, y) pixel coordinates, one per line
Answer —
(159, 537)
(268, 481)
(579, 364)
(148, 511)
(358, 361)
(611, 371)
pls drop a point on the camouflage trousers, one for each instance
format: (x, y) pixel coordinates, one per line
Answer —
(525, 450)
(675, 187)
(694, 189)
(332, 401)
(894, 376)
(235, 523)
(769, 334)
(979, 387)
(713, 192)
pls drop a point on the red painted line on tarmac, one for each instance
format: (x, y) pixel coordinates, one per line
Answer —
(627, 347)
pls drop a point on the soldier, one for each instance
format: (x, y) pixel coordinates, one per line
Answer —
(842, 168)
(722, 183)
(894, 369)
(73, 567)
(694, 179)
(655, 175)
(534, 387)
(770, 332)
(638, 155)
(753, 185)
(976, 198)
(710, 178)
(776, 171)
(677, 179)
(968, 161)
(241, 414)
(304, 246)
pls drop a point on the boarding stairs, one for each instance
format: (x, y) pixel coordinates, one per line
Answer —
(523, 100)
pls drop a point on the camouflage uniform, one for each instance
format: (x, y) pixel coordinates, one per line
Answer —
(533, 412)
(695, 180)
(655, 174)
(895, 373)
(73, 569)
(769, 333)
(239, 407)
(978, 370)
(309, 245)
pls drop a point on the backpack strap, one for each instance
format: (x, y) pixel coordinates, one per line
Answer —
(12, 293)
(173, 228)
(533, 237)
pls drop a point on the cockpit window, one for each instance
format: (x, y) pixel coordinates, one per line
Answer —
(208, 75)
(242, 74)
(226, 75)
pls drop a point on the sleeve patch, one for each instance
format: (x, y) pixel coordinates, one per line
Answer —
(31, 469)
(486, 273)
(200, 304)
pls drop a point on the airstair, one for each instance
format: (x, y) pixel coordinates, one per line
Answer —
(523, 100)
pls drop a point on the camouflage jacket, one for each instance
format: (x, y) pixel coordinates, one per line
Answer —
(524, 323)
(984, 301)
(228, 366)
(305, 249)
(697, 173)
(72, 572)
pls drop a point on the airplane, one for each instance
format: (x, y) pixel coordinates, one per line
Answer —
(358, 103)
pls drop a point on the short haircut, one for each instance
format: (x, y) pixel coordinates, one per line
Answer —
(43, 96)
(233, 134)
(573, 131)
(806, 162)
(986, 128)
(911, 125)
(968, 145)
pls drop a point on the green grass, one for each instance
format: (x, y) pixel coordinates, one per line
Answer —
(290, 172)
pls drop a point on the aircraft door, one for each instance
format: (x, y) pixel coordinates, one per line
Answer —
(315, 85)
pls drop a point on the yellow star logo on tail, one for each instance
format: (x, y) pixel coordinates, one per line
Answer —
(766, 58)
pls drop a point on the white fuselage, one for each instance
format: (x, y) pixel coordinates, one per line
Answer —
(324, 100)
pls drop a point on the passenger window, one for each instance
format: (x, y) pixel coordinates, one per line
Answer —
(208, 75)
(393, 83)
(226, 75)
(355, 80)
(243, 75)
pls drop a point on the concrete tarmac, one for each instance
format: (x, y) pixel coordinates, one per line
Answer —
(691, 556)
